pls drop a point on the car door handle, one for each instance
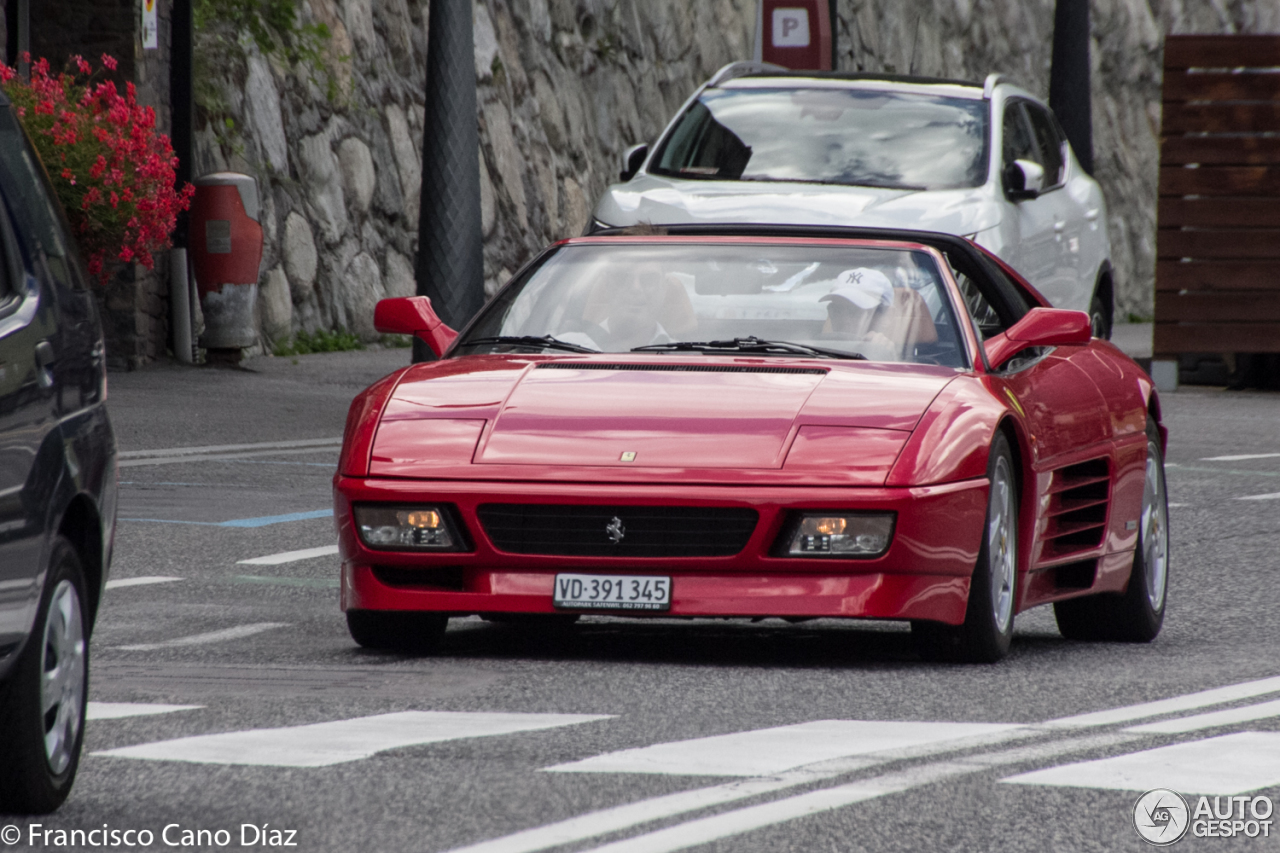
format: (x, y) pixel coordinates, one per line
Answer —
(45, 357)
(1091, 214)
(1059, 226)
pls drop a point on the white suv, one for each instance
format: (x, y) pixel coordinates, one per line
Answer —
(761, 144)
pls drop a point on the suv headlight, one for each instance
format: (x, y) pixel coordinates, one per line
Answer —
(407, 528)
(837, 534)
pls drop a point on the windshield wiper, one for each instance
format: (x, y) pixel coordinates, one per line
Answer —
(750, 344)
(543, 342)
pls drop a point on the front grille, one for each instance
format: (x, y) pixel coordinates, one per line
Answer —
(646, 531)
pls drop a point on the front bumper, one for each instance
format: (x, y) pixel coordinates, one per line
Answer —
(923, 575)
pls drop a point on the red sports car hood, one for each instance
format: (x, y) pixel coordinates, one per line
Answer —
(642, 413)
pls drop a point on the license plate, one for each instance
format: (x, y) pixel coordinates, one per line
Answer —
(612, 592)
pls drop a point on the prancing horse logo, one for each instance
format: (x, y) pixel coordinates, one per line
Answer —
(615, 530)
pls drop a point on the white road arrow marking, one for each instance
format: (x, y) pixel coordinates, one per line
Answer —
(1230, 764)
(323, 744)
(120, 710)
(236, 633)
(1213, 719)
(140, 581)
(290, 556)
(1241, 457)
(766, 751)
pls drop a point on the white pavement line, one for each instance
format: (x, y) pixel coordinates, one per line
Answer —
(290, 556)
(766, 751)
(226, 448)
(217, 457)
(324, 744)
(235, 633)
(716, 827)
(140, 581)
(1268, 497)
(1188, 702)
(1229, 717)
(120, 710)
(1226, 765)
(708, 829)
(618, 818)
(1241, 457)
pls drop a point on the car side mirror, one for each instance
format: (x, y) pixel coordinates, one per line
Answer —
(1041, 327)
(632, 160)
(1023, 179)
(413, 315)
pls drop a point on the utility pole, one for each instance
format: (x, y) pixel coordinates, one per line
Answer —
(1069, 77)
(17, 15)
(450, 263)
(181, 111)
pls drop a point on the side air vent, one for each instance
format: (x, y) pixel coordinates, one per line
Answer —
(679, 368)
(1077, 517)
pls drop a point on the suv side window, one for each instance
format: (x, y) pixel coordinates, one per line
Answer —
(1018, 142)
(1050, 144)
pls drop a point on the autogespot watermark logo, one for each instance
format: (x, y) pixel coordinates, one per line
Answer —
(1163, 817)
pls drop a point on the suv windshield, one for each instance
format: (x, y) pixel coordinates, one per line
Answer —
(759, 298)
(859, 137)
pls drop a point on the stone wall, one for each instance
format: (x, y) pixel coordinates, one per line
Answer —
(563, 86)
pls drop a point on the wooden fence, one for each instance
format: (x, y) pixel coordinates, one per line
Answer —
(1218, 243)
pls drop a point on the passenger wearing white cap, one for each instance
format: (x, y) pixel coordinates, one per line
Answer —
(886, 322)
(852, 307)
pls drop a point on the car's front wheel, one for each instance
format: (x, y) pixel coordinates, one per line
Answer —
(384, 630)
(1137, 614)
(42, 702)
(987, 630)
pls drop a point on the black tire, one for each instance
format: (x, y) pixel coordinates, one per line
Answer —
(987, 631)
(35, 778)
(1100, 318)
(1137, 614)
(398, 631)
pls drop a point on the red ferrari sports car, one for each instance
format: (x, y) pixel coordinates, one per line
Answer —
(758, 422)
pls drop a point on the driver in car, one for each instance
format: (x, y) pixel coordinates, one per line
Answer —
(628, 313)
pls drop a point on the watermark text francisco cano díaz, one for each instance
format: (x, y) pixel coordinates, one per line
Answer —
(171, 835)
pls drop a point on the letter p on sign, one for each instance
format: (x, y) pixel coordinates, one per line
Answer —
(790, 27)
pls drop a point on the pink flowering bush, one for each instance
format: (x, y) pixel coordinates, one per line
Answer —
(110, 169)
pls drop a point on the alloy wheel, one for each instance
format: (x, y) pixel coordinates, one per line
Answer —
(62, 676)
(1002, 543)
(1155, 529)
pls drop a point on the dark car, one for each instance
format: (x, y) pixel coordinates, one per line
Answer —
(57, 483)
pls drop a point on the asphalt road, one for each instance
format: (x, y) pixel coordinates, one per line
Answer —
(381, 752)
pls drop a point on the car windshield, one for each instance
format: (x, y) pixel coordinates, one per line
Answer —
(897, 140)
(822, 301)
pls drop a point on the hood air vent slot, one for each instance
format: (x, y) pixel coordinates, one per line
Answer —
(679, 368)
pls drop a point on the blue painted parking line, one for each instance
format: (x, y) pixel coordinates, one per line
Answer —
(263, 521)
(260, 521)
